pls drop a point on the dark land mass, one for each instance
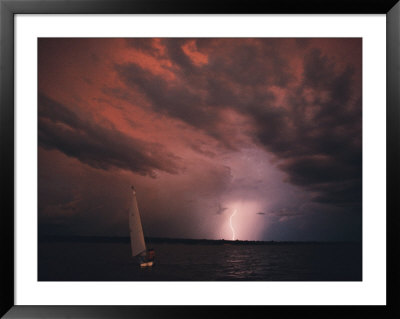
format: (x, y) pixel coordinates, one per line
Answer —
(159, 240)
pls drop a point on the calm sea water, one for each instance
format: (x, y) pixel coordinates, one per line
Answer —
(74, 261)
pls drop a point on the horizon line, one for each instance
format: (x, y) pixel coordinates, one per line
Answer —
(151, 238)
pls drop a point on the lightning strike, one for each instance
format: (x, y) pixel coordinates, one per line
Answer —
(230, 222)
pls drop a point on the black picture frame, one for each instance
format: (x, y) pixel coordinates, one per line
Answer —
(8, 10)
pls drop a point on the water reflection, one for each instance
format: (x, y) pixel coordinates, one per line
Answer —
(181, 262)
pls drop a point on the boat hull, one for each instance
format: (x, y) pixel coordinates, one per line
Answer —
(146, 264)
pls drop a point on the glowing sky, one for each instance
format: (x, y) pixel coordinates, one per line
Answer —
(269, 130)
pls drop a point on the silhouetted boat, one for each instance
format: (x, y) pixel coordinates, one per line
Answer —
(144, 256)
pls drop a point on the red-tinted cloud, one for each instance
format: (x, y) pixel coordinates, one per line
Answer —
(171, 108)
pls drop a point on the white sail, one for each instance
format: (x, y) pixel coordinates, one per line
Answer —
(137, 238)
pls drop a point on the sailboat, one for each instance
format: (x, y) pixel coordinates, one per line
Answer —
(138, 244)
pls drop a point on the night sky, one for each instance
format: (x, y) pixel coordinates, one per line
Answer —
(269, 130)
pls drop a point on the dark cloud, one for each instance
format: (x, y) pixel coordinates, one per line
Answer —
(120, 93)
(287, 212)
(221, 209)
(97, 145)
(176, 54)
(297, 102)
(316, 133)
(145, 45)
(177, 101)
(244, 62)
(347, 193)
(325, 147)
(317, 170)
(252, 64)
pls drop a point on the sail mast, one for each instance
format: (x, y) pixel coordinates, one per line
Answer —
(138, 244)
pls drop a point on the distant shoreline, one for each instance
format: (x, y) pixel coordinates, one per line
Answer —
(159, 240)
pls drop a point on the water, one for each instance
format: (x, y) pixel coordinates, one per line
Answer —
(75, 261)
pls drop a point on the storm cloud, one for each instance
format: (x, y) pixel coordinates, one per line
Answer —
(315, 130)
(100, 146)
(203, 126)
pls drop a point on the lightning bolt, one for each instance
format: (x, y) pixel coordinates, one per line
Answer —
(230, 222)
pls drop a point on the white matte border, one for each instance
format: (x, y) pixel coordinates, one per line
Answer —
(371, 291)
